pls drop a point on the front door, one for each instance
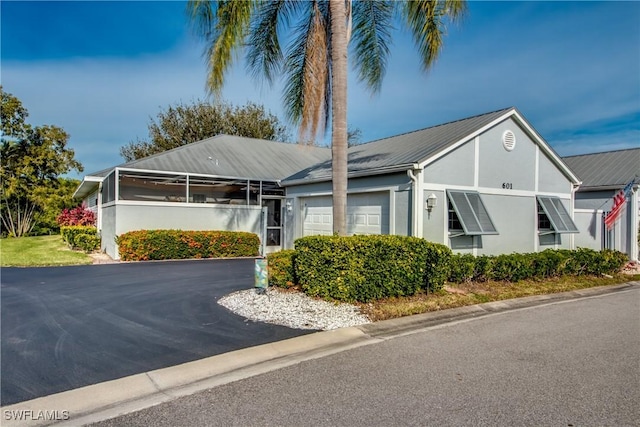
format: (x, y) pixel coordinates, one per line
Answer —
(274, 224)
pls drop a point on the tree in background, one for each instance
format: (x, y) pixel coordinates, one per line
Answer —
(315, 61)
(183, 124)
(33, 158)
(53, 200)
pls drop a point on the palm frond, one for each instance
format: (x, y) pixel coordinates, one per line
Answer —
(426, 20)
(372, 38)
(264, 55)
(306, 93)
(224, 25)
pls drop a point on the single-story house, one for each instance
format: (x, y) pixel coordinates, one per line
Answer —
(603, 175)
(221, 183)
(487, 184)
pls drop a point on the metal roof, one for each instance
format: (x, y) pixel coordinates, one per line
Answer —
(608, 170)
(223, 155)
(400, 152)
(232, 156)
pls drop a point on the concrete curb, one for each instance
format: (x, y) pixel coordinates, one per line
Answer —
(113, 398)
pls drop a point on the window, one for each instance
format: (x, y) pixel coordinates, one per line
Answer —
(553, 217)
(543, 220)
(454, 221)
(468, 214)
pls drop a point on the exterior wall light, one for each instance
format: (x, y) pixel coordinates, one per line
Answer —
(289, 206)
(432, 202)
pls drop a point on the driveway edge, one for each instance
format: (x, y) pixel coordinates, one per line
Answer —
(110, 399)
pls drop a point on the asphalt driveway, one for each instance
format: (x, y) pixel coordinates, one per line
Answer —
(68, 327)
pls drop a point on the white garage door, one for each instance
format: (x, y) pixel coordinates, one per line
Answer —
(367, 213)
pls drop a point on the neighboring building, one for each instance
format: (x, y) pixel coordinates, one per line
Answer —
(488, 184)
(603, 175)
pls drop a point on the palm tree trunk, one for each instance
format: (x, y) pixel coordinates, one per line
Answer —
(339, 114)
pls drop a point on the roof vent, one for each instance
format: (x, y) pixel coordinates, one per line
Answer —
(509, 140)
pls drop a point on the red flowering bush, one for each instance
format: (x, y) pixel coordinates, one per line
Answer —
(79, 215)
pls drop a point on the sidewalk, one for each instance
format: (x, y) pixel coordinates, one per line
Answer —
(109, 399)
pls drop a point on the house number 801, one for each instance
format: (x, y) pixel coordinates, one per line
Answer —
(507, 186)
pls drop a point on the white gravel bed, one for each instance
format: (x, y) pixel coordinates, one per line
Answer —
(292, 309)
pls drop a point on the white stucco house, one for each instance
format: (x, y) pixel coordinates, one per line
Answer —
(486, 184)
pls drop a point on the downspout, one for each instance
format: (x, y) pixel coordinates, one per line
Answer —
(417, 194)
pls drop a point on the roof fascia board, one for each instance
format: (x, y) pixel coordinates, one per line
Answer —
(87, 183)
(357, 174)
(605, 188)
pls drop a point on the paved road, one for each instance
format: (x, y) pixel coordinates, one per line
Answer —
(67, 327)
(565, 364)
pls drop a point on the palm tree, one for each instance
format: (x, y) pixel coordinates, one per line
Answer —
(314, 64)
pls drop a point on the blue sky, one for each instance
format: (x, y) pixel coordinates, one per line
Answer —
(101, 70)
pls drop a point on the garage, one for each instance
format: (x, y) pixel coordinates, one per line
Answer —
(367, 213)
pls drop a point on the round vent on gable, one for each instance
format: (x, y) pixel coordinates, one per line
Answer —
(508, 140)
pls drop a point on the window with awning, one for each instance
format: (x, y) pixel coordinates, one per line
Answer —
(470, 214)
(553, 217)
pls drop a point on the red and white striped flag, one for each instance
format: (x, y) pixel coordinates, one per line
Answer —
(619, 200)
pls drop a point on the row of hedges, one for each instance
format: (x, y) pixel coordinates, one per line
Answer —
(146, 245)
(360, 268)
(364, 268)
(540, 265)
(83, 237)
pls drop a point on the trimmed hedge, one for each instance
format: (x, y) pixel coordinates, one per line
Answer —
(364, 268)
(540, 265)
(280, 268)
(146, 245)
(83, 237)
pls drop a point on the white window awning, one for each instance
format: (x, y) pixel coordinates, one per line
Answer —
(559, 218)
(471, 212)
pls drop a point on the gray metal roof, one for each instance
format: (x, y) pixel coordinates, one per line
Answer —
(232, 156)
(611, 169)
(400, 152)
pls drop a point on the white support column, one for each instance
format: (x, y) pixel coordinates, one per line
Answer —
(635, 218)
(99, 209)
(420, 203)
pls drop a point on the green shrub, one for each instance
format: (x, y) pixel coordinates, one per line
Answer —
(541, 265)
(281, 268)
(512, 267)
(483, 270)
(438, 266)
(549, 263)
(70, 233)
(87, 242)
(364, 268)
(145, 245)
(461, 268)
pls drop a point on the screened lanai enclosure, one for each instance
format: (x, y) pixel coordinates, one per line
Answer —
(151, 186)
(129, 200)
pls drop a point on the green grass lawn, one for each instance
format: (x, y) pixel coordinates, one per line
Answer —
(39, 251)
